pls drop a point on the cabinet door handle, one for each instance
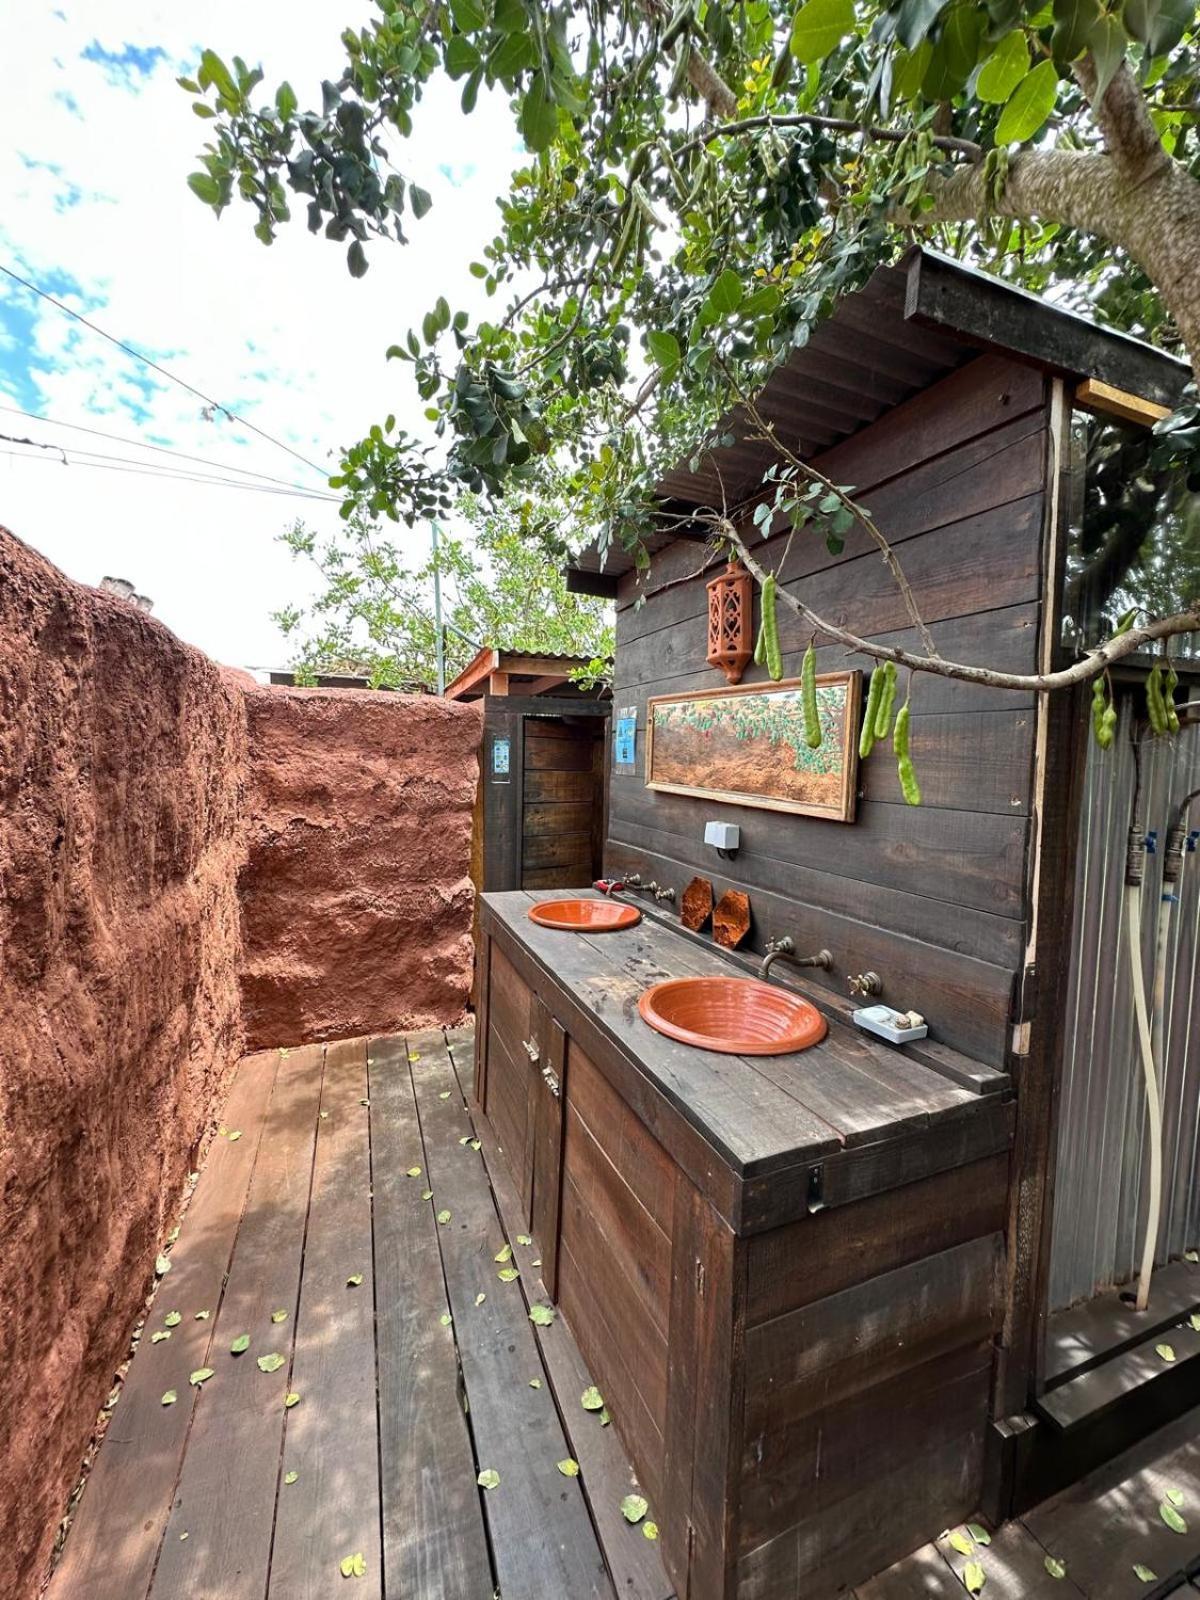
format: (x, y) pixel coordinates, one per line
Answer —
(531, 1050)
(552, 1082)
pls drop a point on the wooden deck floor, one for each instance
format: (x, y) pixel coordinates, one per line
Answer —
(346, 1224)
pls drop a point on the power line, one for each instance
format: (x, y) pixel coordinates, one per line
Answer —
(144, 469)
(154, 366)
(145, 444)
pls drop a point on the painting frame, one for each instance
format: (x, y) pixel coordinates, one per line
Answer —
(841, 811)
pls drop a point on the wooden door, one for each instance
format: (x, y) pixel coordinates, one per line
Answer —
(547, 1148)
(562, 810)
(512, 1062)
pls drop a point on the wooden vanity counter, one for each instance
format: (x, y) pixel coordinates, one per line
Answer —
(784, 1272)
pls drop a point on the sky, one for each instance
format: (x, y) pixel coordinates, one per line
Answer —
(94, 208)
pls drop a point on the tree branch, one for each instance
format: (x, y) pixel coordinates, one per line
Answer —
(1124, 119)
(958, 147)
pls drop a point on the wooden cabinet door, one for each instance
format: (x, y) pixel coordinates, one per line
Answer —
(547, 1148)
(512, 1068)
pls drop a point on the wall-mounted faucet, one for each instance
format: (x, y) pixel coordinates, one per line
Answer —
(786, 947)
(664, 894)
(865, 983)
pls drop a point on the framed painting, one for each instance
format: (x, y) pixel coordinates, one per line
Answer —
(746, 746)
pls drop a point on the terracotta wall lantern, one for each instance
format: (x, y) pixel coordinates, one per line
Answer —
(730, 603)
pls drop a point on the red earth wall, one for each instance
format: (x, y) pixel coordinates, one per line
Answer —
(185, 859)
(356, 898)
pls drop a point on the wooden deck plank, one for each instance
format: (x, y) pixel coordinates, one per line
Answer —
(119, 1522)
(331, 1437)
(633, 1560)
(1103, 1524)
(542, 1539)
(920, 1576)
(225, 1501)
(1015, 1566)
(434, 1542)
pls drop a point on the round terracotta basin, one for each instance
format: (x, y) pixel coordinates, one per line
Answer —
(738, 1016)
(585, 916)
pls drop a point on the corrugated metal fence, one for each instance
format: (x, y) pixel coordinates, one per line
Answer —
(1100, 1186)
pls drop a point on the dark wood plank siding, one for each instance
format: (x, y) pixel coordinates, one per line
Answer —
(562, 820)
(932, 898)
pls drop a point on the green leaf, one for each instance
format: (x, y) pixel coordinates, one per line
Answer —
(162, 1266)
(1031, 103)
(290, 1477)
(414, 1172)
(270, 1363)
(420, 199)
(240, 1344)
(426, 1194)
(201, 1375)
(172, 1319)
(633, 1508)
(445, 1319)
(285, 101)
(1073, 23)
(1055, 1567)
(535, 1383)
(290, 1399)
(523, 1238)
(1175, 1496)
(508, 1274)
(543, 1316)
(235, 1135)
(205, 188)
(169, 1398)
(973, 1577)
(503, 1255)
(819, 27)
(1144, 1573)
(489, 1478)
(1166, 1351)
(1194, 1321)
(157, 1338)
(725, 295)
(961, 1542)
(955, 53)
(353, 1281)
(443, 1217)
(650, 1530)
(979, 1533)
(1172, 1518)
(480, 1298)
(569, 1468)
(1191, 1255)
(356, 260)
(664, 351)
(279, 1316)
(201, 1316)
(591, 1399)
(354, 1566)
(539, 115)
(469, 15)
(1003, 69)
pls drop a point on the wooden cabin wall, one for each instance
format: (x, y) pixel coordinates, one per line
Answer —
(933, 898)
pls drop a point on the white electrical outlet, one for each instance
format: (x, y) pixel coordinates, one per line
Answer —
(724, 835)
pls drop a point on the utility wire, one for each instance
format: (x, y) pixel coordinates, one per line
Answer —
(154, 366)
(145, 444)
(143, 469)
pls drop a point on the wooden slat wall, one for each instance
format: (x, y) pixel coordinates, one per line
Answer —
(561, 815)
(932, 898)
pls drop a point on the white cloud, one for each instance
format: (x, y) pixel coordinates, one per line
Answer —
(94, 206)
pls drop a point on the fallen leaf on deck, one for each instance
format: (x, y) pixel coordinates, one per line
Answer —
(523, 1238)
(591, 1399)
(354, 1566)
(426, 1194)
(466, 1139)
(508, 1274)
(172, 1319)
(962, 1542)
(290, 1477)
(1172, 1518)
(633, 1508)
(542, 1316)
(290, 1400)
(201, 1375)
(443, 1217)
(503, 1255)
(1055, 1567)
(183, 1535)
(1144, 1573)
(605, 1419)
(413, 1056)
(535, 1383)
(1191, 1255)
(353, 1281)
(364, 1101)
(235, 1135)
(569, 1468)
(279, 1316)
(240, 1345)
(445, 1095)
(169, 1398)
(201, 1316)
(1165, 1351)
(173, 1235)
(650, 1529)
(1194, 1320)
(476, 1144)
(323, 1115)
(979, 1533)
(414, 1172)
(479, 1299)
(445, 1319)
(162, 1266)
(536, 1263)
(157, 1338)
(489, 1478)
(973, 1577)
(1175, 1496)
(270, 1363)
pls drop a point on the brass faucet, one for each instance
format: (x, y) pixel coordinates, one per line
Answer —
(865, 983)
(664, 894)
(787, 947)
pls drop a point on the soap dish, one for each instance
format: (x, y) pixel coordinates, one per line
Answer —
(882, 1020)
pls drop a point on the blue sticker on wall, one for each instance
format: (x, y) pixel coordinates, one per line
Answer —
(500, 757)
(625, 737)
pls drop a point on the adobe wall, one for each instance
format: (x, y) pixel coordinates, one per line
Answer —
(186, 859)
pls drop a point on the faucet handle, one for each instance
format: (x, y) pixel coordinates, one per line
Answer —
(783, 946)
(865, 983)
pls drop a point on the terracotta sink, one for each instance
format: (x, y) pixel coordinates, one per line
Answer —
(739, 1016)
(585, 916)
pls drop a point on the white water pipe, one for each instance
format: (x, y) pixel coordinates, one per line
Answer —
(1133, 926)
